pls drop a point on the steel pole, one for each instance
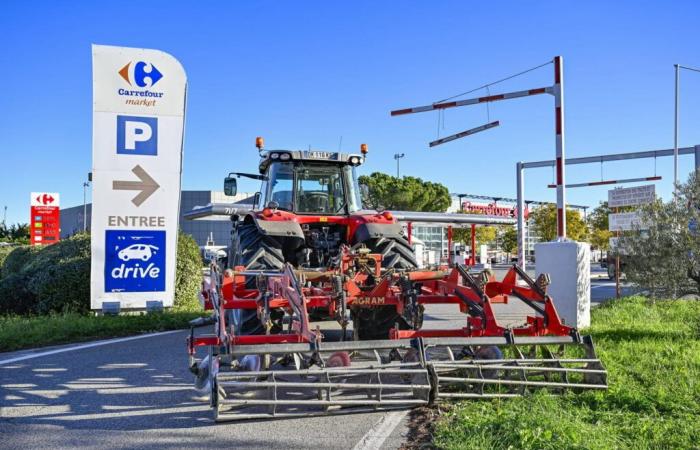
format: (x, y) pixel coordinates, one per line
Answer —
(697, 158)
(521, 213)
(473, 239)
(560, 146)
(675, 132)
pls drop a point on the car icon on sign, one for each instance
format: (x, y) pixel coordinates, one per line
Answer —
(144, 252)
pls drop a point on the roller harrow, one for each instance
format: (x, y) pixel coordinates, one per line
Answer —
(294, 369)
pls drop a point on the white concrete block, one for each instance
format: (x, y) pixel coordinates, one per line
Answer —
(569, 267)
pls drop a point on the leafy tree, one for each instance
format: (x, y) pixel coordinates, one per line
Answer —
(598, 227)
(17, 233)
(509, 239)
(664, 257)
(382, 191)
(545, 223)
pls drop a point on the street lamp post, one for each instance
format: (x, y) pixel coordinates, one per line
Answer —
(678, 68)
(397, 157)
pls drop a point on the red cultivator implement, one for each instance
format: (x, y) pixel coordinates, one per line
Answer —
(292, 369)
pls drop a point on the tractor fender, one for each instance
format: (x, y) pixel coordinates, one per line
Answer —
(278, 228)
(368, 231)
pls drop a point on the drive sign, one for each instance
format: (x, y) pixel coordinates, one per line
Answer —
(138, 123)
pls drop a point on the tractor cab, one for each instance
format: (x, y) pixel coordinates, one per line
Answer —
(306, 182)
(310, 182)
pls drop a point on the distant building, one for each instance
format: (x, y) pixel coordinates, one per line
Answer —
(200, 230)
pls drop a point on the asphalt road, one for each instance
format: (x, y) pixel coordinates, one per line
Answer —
(137, 394)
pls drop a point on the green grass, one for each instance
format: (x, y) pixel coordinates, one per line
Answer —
(652, 353)
(19, 332)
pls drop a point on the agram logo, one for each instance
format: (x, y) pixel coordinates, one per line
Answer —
(139, 73)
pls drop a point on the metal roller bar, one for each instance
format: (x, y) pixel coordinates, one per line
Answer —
(522, 383)
(344, 371)
(313, 402)
(517, 340)
(321, 384)
(241, 350)
(224, 416)
(531, 368)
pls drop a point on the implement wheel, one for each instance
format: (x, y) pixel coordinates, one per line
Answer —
(375, 323)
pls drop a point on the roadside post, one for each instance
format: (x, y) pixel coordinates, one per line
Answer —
(626, 221)
(138, 130)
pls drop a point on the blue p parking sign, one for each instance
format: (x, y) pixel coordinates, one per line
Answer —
(137, 135)
(134, 261)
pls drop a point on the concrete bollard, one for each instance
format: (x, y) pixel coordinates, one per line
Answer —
(569, 266)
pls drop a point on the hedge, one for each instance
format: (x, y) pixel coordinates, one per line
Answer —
(56, 278)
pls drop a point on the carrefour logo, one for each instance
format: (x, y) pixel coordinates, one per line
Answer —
(134, 261)
(141, 76)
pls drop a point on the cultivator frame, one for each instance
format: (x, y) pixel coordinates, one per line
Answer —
(298, 373)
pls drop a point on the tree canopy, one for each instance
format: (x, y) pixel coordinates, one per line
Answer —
(598, 227)
(17, 233)
(664, 256)
(545, 223)
(383, 191)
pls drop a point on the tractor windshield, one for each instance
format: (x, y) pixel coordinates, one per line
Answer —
(320, 189)
(313, 188)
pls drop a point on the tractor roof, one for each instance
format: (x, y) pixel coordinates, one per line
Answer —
(270, 156)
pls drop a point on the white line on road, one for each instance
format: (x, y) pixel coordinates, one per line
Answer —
(84, 346)
(380, 431)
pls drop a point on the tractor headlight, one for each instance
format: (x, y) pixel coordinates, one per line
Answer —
(354, 160)
(285, 156)
(274, 155)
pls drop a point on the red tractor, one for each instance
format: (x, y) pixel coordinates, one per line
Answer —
(309, 207)
(308, 251)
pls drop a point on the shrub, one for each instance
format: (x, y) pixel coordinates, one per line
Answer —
(15, 296)
(188, 275)
(56, 278)
(18, 257)
(4, 251)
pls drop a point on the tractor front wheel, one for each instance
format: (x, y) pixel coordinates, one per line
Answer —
(375, 323)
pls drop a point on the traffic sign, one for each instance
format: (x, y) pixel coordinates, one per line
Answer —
(138, 122)
(45, 223)
(637, 195)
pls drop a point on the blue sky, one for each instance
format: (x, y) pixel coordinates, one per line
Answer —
(307, 73)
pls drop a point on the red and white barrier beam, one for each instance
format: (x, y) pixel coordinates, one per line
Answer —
(464, 133)
(604, 182)
(473, 101)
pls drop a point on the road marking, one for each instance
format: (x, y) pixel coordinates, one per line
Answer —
(84, 346)
(380, 431)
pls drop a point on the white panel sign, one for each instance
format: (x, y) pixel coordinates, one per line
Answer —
(637, 195)
(625, 221)
(138, 124)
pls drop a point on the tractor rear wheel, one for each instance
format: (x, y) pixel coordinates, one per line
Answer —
(255, 251)
(375, 323)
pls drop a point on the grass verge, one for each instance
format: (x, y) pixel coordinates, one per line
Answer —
(19, 332)
(652, 353)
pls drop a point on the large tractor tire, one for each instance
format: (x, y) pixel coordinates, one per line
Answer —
(375, 323)
(255, 251)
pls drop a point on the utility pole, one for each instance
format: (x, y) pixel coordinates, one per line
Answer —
(678, 68)
(4, 217)
(85, 186)
(397, 157)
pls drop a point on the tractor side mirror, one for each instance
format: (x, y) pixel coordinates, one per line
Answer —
(230, 186)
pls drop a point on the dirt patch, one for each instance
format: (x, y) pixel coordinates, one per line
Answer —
(421, 424)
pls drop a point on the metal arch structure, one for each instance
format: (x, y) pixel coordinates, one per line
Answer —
(557, 90)
(521, 166)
